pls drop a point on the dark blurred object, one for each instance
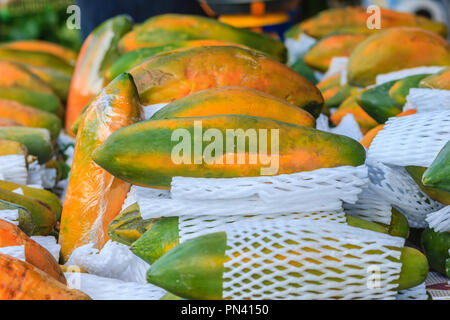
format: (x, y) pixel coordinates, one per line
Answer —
(255, 7)
(37, 19)
(94, 12)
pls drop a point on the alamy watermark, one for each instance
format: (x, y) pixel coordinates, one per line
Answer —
(74, 20)
(374, 20)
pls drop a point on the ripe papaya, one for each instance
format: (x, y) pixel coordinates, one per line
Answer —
(8, 123)
(351, 106)
(436, 246)
(439, 195)
(8, 147)
(37, 140)
(97, 54)
(329, 87)
(133, 58)
(64, 53)
(24, 220)
(30, 117)
(235, 100)
(42, 195)
(44, 218)
(441, 80)
(94, 197)
(381, 53)
(337, 45)
(152, 164)
(201, 273)
(17, 75)
(173, 75)
(58, 81)
(20, 280)
(438, 173)
(354, 20)
(168, 28)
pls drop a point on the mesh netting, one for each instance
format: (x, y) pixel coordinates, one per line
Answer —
(14, 168)
(99, 288)
(304, 259)
(11, 216)
(413, 140)
(440, 220)
(17, 252)
(397, 75)
(395, 185)
(338, 65)
(40, 176)
(194, 226)
(370, 206)
(347, 127)
(299, 192)
(416, 293)
(427, 100)
(150, 110)
(298, 47)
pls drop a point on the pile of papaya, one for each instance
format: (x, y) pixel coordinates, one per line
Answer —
(133, 99)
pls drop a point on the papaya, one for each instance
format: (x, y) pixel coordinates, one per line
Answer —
(8, 147)
(195, 269)
(436, 246)
(381, 53)
(37, 140)
(329, 87)
(25, 219)
(354, 20)
(441, 80)
(44, 218)
(235, 100)
(447, 268)
(152, 163)
(30, 117)
(351, 106)
(167, 28)
(400, 90)
(47, 197)
(20, 280)
(62, 169)
(8, 123)
(336, 45)
(439, 195)
(58, 81)
(173, 75)
(17, 75)
(61, 52)
(97, 54)
(94, 197)
(438, 173)
(133, 58)
(304, 70)
(399, 226)
(342, 94)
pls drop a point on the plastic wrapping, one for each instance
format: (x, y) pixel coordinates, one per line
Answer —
(276, 259)
(427, 100)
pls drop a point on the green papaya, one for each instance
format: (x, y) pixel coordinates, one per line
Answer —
(304, 70)
(25, 219)
(436, 246)
(438, 174)
(439, 195)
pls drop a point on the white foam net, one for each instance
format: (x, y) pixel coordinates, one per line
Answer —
(299, 192)
(11, 216)
(151, 109)
(13, 168)
(395, 185)
(427, 100)
(347, 127)
(40, 176)
(304, 259)
(397, 75)
(413, 140)
(338, 65)
(416, 293)
(371, 207)
(440, 220)
(100, 288)
(17, 252)
(298, 47)
(114, 260)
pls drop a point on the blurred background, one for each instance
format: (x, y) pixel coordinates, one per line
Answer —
(46, 19)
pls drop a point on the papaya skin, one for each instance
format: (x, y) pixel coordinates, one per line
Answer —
(380, 53)
(173, 75)
(94, 197)
(436, 246)
(399, 226)
(30, 117)
(22, 281)
(337, 45)
(35, 254)
(12, 147)
(439, 195)
(235, 100)
(58, 81)
(97, 53)
(354, 20)
(18, 75)
(167, 28)
(438, 173)
(414, 268)
(440, 80)
(150, 164)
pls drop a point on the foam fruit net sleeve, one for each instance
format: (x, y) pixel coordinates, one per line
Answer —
(416, 293)
(427, 100)
(304, 259)
(14, 168)
(440, 220)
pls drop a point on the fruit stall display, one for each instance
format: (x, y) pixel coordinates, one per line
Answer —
(94, 206)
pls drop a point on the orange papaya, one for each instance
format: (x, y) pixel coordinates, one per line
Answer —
(94, 197)
(8, 123)
(147, 154)
(354, 20)
(20, 280)
(30, 117)
(167, 28)
(440, 80)
(235, 100)
(329, 87)
(337, 45)
(58, 81)
(16, 75)
(381, 53)
(98, 52)
(173, 75)
(64, 53)
(12, 147)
